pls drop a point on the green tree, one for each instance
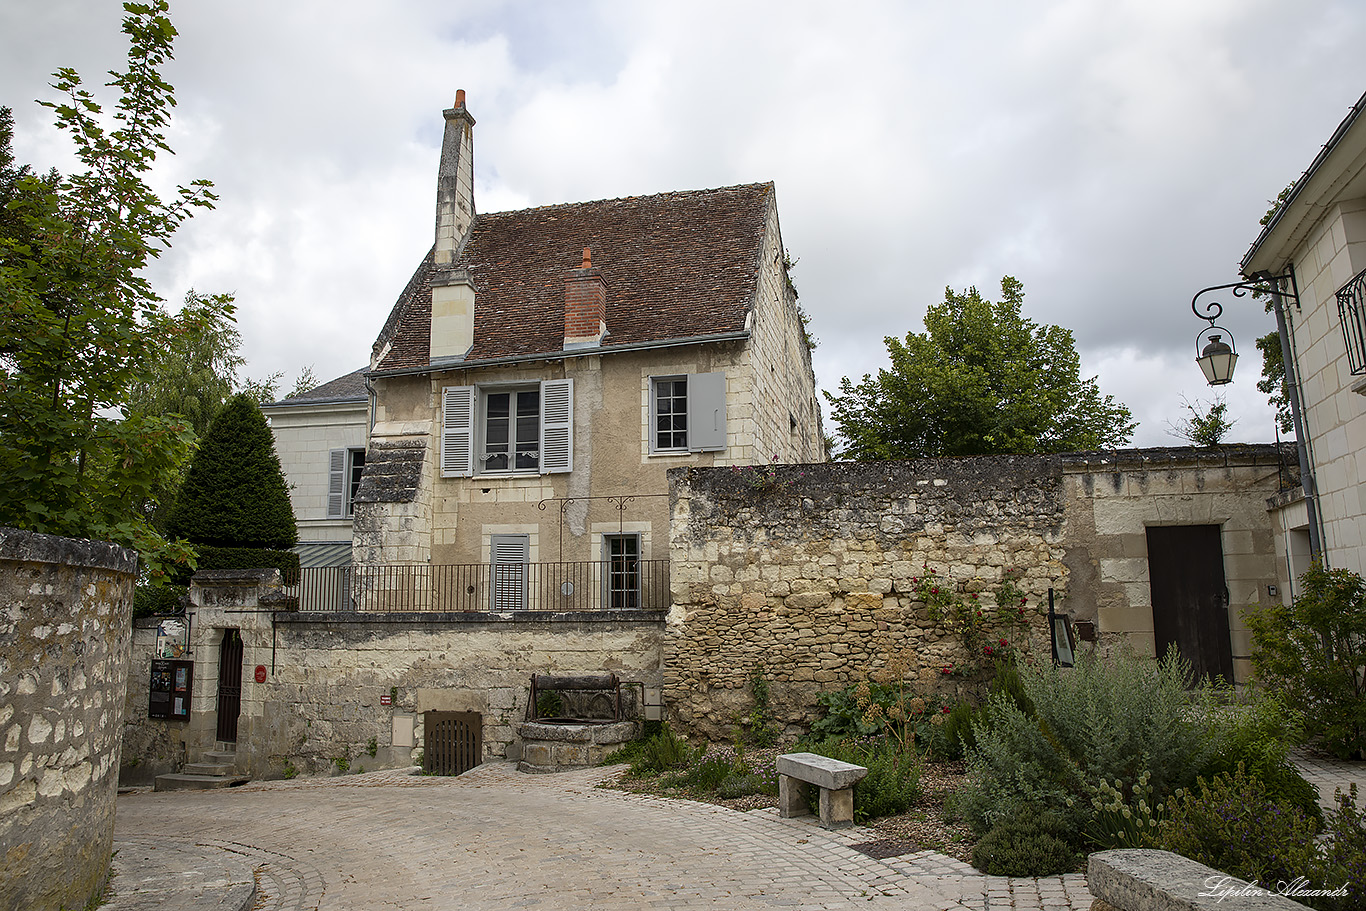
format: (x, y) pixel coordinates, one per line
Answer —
(235, 494)
(1203, 426)
(1273, 380)
(80, 319)
(981, 379)
(193, 371)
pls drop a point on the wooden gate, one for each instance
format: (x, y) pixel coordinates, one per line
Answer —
(1190, 597)
(229, 685)
(453, 742)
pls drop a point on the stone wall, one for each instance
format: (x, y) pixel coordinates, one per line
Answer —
(328, 677)
(812, 573)
(64, 646)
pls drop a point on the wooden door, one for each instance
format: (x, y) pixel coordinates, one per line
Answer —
(1190, 597)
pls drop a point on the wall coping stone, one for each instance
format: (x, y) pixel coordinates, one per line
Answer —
(33, 547)
(233, 576)
(1143, 879)
(474, 618)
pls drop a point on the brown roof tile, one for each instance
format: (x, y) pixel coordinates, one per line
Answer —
(677, 265)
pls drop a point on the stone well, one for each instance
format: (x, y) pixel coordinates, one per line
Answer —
(558, 745)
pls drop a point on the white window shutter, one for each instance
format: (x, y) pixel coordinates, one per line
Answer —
(557, 426)
(509, 554)
(457, 431)
(336, 483)
(706, 412)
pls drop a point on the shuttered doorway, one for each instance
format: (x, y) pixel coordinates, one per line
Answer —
(453, 742)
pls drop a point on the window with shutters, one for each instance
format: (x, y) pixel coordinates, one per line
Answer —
(344, 470)
(688, 413)
(507, 429)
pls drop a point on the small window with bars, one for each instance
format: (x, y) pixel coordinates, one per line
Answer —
(1352, 313)
(621, 571)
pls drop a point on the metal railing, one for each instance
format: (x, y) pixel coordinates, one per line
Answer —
(1352, 312)
(575, 586)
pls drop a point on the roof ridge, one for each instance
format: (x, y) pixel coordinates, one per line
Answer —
(642, 196)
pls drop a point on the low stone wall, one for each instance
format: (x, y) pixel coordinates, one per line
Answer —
(354, 686)
(64, 647)
(811, 572)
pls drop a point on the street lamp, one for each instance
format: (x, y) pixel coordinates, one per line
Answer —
(1217, 359)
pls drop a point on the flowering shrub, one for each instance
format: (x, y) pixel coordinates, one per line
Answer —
(989, 631)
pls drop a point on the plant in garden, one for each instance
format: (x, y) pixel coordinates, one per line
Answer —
(990, 635)
(1123, 820)
(1026, 844)
(1344, 855)
(892, 784)
(1231, 824)
(1314, 653)
(758, 723)
(80, 319)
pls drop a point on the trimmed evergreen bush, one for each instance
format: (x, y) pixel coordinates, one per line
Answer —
(234, 505)
(1030, 842)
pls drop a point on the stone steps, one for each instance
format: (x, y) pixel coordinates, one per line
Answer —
(215, 769)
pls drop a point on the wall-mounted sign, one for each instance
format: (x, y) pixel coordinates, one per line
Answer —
(260, 673)
(171, 684)
(386, 700)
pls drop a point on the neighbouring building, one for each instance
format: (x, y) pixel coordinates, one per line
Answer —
(1317, 239)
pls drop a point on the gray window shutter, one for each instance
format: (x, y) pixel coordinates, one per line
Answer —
(706, 412)
(510, 555)
(457, 431)
(557, 426)
(336, 483)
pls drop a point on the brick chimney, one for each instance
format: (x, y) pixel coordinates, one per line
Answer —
(585, 305)
(452, 329)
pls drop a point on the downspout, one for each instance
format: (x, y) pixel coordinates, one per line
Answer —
(1292, 386)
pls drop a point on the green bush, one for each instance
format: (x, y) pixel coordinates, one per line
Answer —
(234, 493)
(1258, 733)
(742, 785)
(1030, 842)
(706, 774)
(892, 784)
(1096, 722)
(152, 600)
(1231, 824)
(1314, 653)
(1344, 858)
(663, 752)
(759, 723)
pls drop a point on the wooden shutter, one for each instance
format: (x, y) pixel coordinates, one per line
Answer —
(510, 555)
(557, 426)
(336, 483)
(457, 431)
(706, 412)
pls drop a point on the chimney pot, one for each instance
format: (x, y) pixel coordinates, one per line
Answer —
(460, 98)
(587, 258)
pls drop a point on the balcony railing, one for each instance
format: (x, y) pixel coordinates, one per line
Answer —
(581, 586)
(1352, 312)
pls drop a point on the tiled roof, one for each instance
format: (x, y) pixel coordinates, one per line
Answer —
(676, 265)
(348, 388)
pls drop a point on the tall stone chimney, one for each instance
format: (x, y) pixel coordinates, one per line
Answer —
(455, 181)
(585, 305)
(452, 330)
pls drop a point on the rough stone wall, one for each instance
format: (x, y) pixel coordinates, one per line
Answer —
(151, 746)
(393, 510)
(64, 646)
(809, 571)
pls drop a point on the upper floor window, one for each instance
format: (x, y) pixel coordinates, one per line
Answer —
(1352, 313)
(507, 429)
(688, 413)
(344, 467)
(511, 430)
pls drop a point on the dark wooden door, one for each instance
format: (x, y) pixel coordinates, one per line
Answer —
(1190, 597)
(229, 685)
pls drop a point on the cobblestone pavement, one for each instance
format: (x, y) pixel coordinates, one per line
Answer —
(495, 838)
(1329, 774)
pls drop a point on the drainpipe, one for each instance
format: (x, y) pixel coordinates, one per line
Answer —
(1292, 386)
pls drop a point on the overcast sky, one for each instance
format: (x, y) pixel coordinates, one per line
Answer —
(1114, 156)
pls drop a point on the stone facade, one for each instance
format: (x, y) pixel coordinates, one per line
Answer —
(64, 652)
(811, 571)
(328, 677)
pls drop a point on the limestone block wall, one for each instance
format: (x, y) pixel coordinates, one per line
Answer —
(1114, 497)
(810, 572)
(64, 646)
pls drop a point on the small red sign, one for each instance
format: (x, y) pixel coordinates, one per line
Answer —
(260, 673)
(386, 700)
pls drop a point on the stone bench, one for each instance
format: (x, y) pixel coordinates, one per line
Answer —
(1141, 879)
(835, 779)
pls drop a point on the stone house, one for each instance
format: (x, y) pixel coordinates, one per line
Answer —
(1317, 241)
(544, 368)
